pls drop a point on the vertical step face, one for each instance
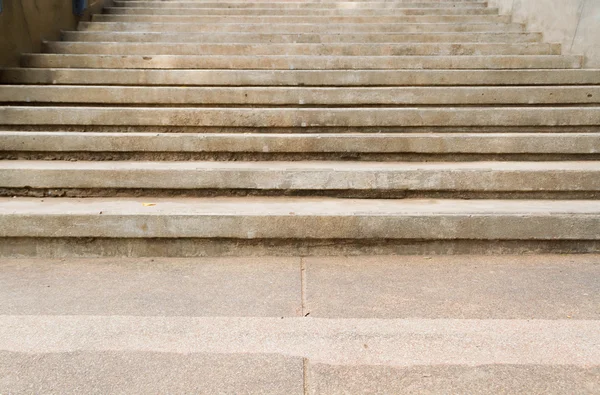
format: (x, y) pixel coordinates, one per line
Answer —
(302, 124)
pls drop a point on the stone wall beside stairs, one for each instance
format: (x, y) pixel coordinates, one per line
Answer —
(574, 23)
(24, 24)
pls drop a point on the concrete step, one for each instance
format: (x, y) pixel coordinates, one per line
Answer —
(539, 289)
(510, 180)
(291, 28)
(299, 77)
(300, 37)
(303, 118)
(299, 62)
(197, 49)
(298, 325)
(300, 12)
(452, 144)
(300, 218)
(278, 96)
(358, 3)
(241, 19)
(300, 5)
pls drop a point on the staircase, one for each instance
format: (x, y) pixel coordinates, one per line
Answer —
(299, 127)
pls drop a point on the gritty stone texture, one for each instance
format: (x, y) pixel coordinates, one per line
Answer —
(301, 218)
(300, 62)
(149, 373)
(56, 76)
(445, 379)
(300, 118)
(306, 175)
(306, 143)
(307, 96)
(199, 37)
(302, 96)
(303, 27)
(217, 19)
(544, 286)
(344, 49)
(199, 287)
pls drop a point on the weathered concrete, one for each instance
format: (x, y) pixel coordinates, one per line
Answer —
(350, 49)
(358, 78)
(342, 5)
(450, 37)
(329, 341)
(303, 19)
(300, 62)
(238, 287)
(300, 27)
(456, 177)
(301, 5)
(434, 143)
(302, 117)
(474, 287)
(486, 379)
(301, 96)
(298, 218)
(150, 373)
(302, 12)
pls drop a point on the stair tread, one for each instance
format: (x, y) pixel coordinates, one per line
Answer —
(289, 166)
(475, 143)
(152, 78)
(303, 118)
(291, 206)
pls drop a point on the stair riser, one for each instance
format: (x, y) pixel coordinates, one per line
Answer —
(300, 5)
(420, 49)
(114, 247)
(303, 12)
(301, 96)
(381, 146)
(304, 19)
(289, 28)
(302, 118)
(302, 78)
(370, 183)
(300, 62)
(302, 38)
(358, 3)
(573, 227)
(223, 156)
(366, 194)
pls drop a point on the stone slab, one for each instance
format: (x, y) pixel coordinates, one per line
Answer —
(300, 118)
(58, 76)
(241, 287)
(301, 96)
(301, 218)
(301, 5)
(327, 49)
(91, 36)
(149, 373)
(299, 62)
(303, 19)
(442, 379)
(427, 143)
(299, 27)
(299, 12)
(472, 287)
(391, 342)
(305, 175)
